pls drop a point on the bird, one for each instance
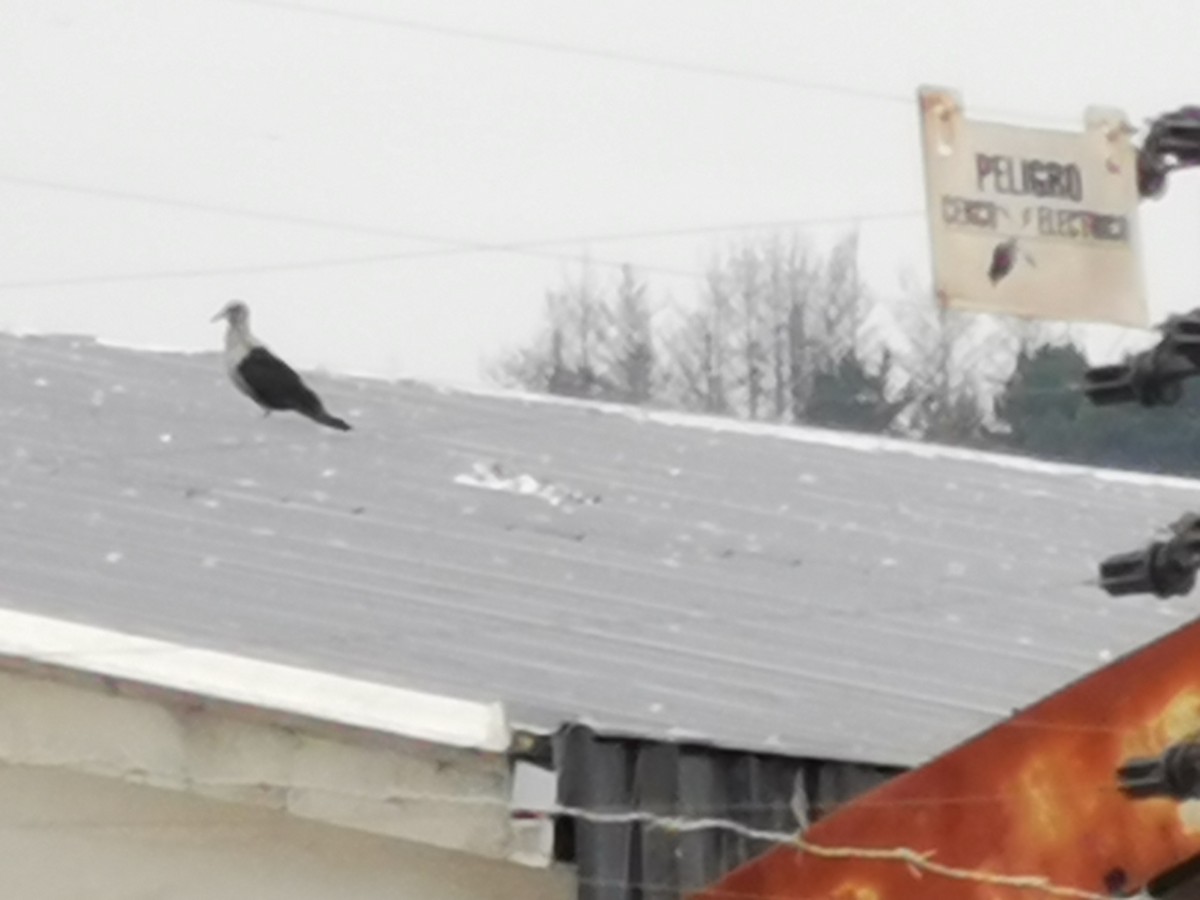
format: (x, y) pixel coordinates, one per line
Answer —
(1004, 258)
(264, 377)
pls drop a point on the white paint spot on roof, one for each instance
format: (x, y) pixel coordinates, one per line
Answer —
(114, 556)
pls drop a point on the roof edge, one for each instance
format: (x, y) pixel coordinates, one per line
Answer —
(862, 442)
(801, 433)
(288, 690)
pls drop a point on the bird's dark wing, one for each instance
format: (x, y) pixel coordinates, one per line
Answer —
(272, 382)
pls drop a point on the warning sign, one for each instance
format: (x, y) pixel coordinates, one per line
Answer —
(1033, 222)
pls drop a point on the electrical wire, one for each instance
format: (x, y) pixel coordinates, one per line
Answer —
(528, 43)
(458, 247)
(626, 57)
(458, 244)
(919, 861)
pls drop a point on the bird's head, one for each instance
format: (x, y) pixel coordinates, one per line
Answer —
(235, 312)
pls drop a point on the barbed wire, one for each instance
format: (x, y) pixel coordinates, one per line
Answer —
(916, 861)
(919, 863)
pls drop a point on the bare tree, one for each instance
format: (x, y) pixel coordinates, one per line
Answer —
(791, 290)
(773, 323)
(777, 331)
(698, 349)
(950, 358)
(745, 271)
(844, 303)
(699, 364)
(632, 367)
(757, 296)
(567, 356)
(584, 317)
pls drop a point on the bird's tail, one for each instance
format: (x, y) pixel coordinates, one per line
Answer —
(320, 415)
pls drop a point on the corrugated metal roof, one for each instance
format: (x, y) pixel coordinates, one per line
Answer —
(807, 592)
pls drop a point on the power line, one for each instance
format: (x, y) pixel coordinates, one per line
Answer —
(221, 209)
(459, 243)
(802, 222)
(624, 56)
(520, 247)
(454, 243)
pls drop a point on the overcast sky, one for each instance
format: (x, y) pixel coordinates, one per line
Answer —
(160, 157)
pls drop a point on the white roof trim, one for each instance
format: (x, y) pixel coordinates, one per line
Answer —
(222, 676)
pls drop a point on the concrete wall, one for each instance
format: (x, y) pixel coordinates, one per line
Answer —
(451, 798)
(66, 835)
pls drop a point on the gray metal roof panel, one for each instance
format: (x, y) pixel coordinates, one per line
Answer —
(784, 589)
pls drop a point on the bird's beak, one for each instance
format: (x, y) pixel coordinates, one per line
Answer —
(219, 316)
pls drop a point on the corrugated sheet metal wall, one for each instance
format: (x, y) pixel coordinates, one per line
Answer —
(636, 861)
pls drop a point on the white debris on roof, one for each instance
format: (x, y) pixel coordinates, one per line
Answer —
(492, 477)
